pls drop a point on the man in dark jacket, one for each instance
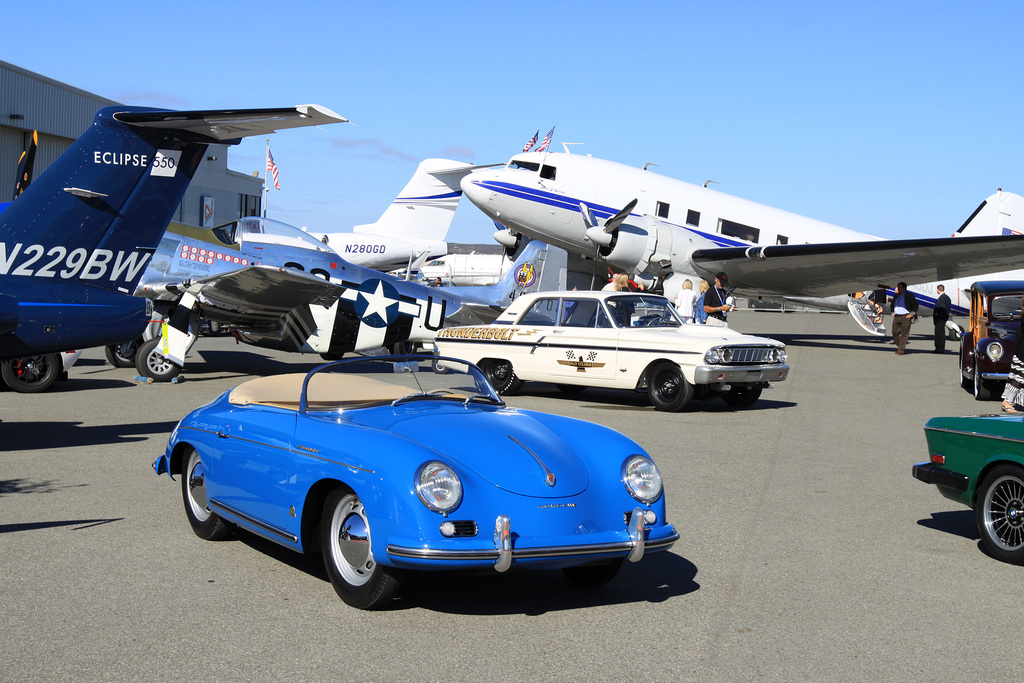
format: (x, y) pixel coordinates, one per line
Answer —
(942, 308)
(904, 310)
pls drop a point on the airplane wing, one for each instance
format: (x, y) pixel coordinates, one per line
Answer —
(818, 270)
(233, 124)
(260, 293)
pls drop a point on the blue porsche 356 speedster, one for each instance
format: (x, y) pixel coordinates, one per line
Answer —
(414, 462)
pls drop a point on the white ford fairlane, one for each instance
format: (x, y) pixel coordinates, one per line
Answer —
(618, 340)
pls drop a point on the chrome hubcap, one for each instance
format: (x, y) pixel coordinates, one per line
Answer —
(350, 541)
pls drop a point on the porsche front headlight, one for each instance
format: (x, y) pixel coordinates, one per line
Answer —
(438, 487)
(642, 478)
(994, 351)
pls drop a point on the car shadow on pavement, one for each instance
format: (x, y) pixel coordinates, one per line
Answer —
(32, 436)
(956, 522)
(598, 398)
(78, 523)
(656, 578)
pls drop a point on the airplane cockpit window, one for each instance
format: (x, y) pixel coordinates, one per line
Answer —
(638, 310)
(542, 312)
(227, 233)
(525, 165)
(547, 172)
(264, 230)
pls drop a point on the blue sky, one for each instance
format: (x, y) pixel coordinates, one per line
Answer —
(891, 118)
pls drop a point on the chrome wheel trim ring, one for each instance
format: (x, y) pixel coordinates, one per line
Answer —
(195, 478)
(350, 541)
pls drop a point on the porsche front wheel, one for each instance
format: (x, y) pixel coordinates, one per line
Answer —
(1000, 512)
(348, 555)
(207, 525)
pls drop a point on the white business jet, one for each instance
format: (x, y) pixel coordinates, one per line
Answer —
(654, 226)
(413, 227)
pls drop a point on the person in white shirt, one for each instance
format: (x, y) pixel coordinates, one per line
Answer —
(685, 300)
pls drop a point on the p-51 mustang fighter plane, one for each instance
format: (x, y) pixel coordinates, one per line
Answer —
(278, 287)
(75, 243)
(651, 225)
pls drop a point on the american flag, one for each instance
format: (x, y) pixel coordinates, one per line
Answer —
(547, 140)
(272, 167)
(532, 142)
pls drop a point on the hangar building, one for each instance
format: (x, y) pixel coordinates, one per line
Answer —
(31, 102)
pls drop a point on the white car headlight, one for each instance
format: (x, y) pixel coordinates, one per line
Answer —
(438, 487)
(994, 351)
(781, 354)
(642, 478)
(714, 355)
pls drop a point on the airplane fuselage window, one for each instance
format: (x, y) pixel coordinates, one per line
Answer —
(547, 172)
(734, 229)
(525, 165)
(781, 239)
(693, 218)
(661, 208)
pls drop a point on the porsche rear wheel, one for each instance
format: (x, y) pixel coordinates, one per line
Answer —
(152, 363)
(206, 524)
(348, 556)
(593, 574)
(1000, 512)
(32, 374)
(667, 389)
(501, 376)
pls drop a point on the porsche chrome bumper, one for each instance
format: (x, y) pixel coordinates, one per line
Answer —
(503, 554)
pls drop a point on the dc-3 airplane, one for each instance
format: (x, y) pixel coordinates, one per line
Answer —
(654, 226)
(278, 287)
(414, 226)
(75, 243)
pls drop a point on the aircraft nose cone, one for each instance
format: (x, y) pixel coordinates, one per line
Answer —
(472, 190)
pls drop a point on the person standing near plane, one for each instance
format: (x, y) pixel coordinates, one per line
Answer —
(941, 314)
(904, 310)
(714, 302)
(619, 282)
(700, 315)
(1013, 394)
(685, 300)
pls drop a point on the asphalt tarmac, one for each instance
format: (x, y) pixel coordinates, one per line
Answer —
(807, 550)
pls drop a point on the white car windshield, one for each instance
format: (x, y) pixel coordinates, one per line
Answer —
(642, 310)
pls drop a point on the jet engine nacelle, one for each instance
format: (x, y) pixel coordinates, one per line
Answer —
(507, 239)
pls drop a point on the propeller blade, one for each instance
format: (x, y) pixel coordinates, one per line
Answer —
(615, 221)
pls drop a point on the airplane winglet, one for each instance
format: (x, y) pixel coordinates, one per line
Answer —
(231, 124)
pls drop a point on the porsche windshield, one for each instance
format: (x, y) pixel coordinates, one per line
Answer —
(395, 380)
(642, 310)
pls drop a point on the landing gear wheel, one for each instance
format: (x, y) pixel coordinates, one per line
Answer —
(593, 574)
(123, 355)
(204, 523)
(742, 397)
(348, 554)
(667, 389)
(33, 374)
(152, 363)
(1000, 512)
(501, 376)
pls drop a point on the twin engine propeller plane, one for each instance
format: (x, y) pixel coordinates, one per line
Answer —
(76, 242)
(644, 223)
(278, 287)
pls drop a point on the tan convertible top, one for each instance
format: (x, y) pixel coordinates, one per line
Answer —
(327, 391)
